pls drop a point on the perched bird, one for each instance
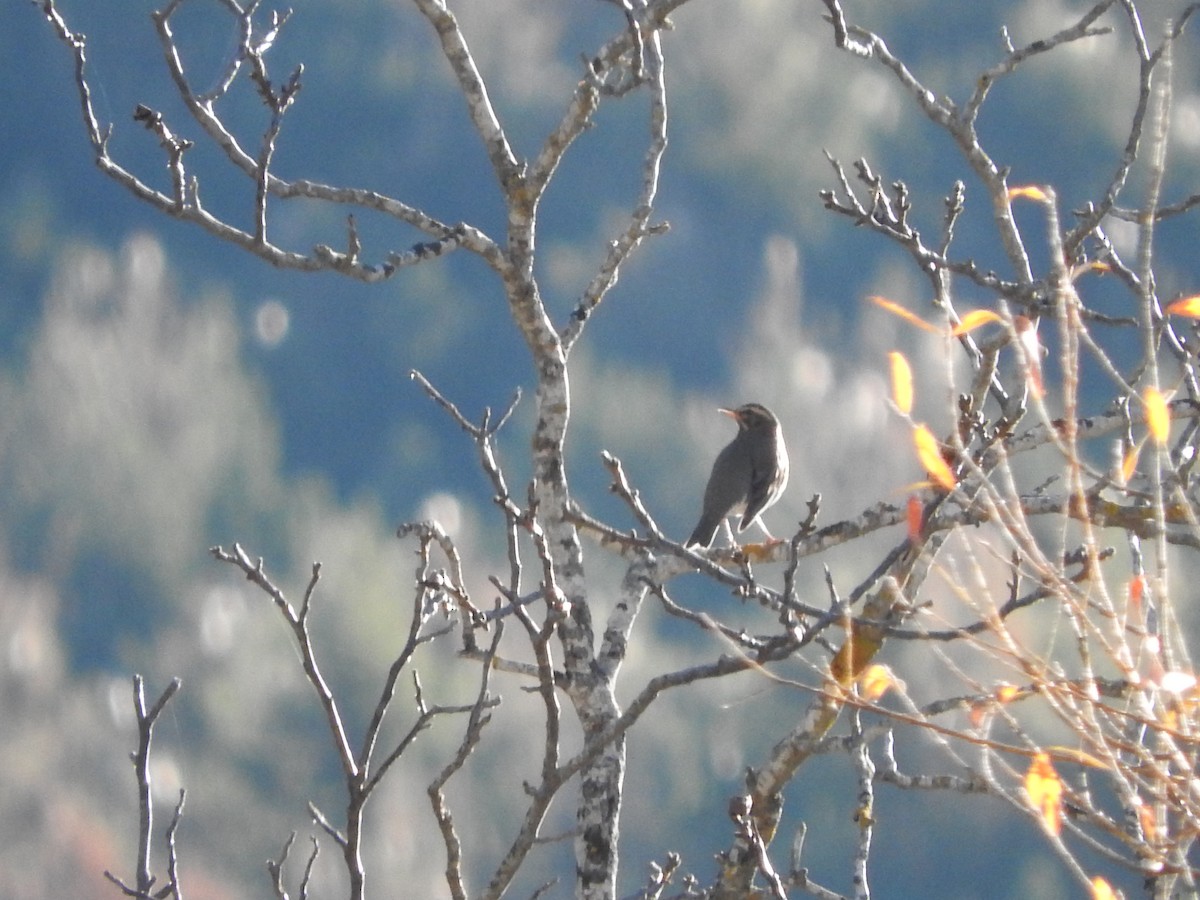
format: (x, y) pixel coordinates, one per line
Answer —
(748, 476)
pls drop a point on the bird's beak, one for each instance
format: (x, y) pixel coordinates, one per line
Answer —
(732, 413)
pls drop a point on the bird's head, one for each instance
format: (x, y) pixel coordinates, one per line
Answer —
(751, 416)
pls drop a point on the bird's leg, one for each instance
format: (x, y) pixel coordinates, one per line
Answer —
(726, 530)
(771, 539)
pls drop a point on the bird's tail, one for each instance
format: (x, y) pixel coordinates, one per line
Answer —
(703, 533)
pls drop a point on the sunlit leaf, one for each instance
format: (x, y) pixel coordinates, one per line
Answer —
(915, 514)
(1177, 682)
(854, 655)
(1029, 192)
(1185, 306)
(863, 817)
(1101, 890)
(1137, 587)
(1092, 265)
(1158, 417)
(875, 681)
(1148, 820)
(902, 382)
(977, 713)
(930, 454)
(1003, 693)
(898, 310)
(1129, 462)
(974, 319)
(1044, 789)
(1006, 692)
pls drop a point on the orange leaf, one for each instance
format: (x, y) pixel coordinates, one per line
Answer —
(1030, 192)
(874, 682)
(1002, 694)
(1185, 306)
(1158, 417)
(1136, 588)
(1101, 890)
(1045, 791)
(898, 310)
(1006, 692)
(973, 320)
(930, 454)
(1092, 265)
(1148, 821)
(902, 382)
(1130, 461)
(977, 712)
(852, 658)
(914, 513)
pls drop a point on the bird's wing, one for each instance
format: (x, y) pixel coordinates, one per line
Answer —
(726, 490)
(727, 485)
(762, 478)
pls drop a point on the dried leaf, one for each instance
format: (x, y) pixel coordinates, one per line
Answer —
(1177, 682)
(974, 319)
(863, 817)
(898, 310)
(1030, 192)
(1006, 692)
(1148, 820)
(977, 713)
(1129, 462)
(1044, 789)
(915, 514)
(1003, 693)
(1185, 306)
(930, 454)
(902, 382)
(1092, 265)
(1158, 417)
(852, 658)
(875, 680)
(1137, 587)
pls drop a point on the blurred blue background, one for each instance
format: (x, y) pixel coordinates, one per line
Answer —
(161, 392)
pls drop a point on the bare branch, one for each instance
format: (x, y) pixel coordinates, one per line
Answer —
(146, 719)
(509, 172)
(298, 622)
(477, 721)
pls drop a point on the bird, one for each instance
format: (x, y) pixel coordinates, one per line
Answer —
(749, 476)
